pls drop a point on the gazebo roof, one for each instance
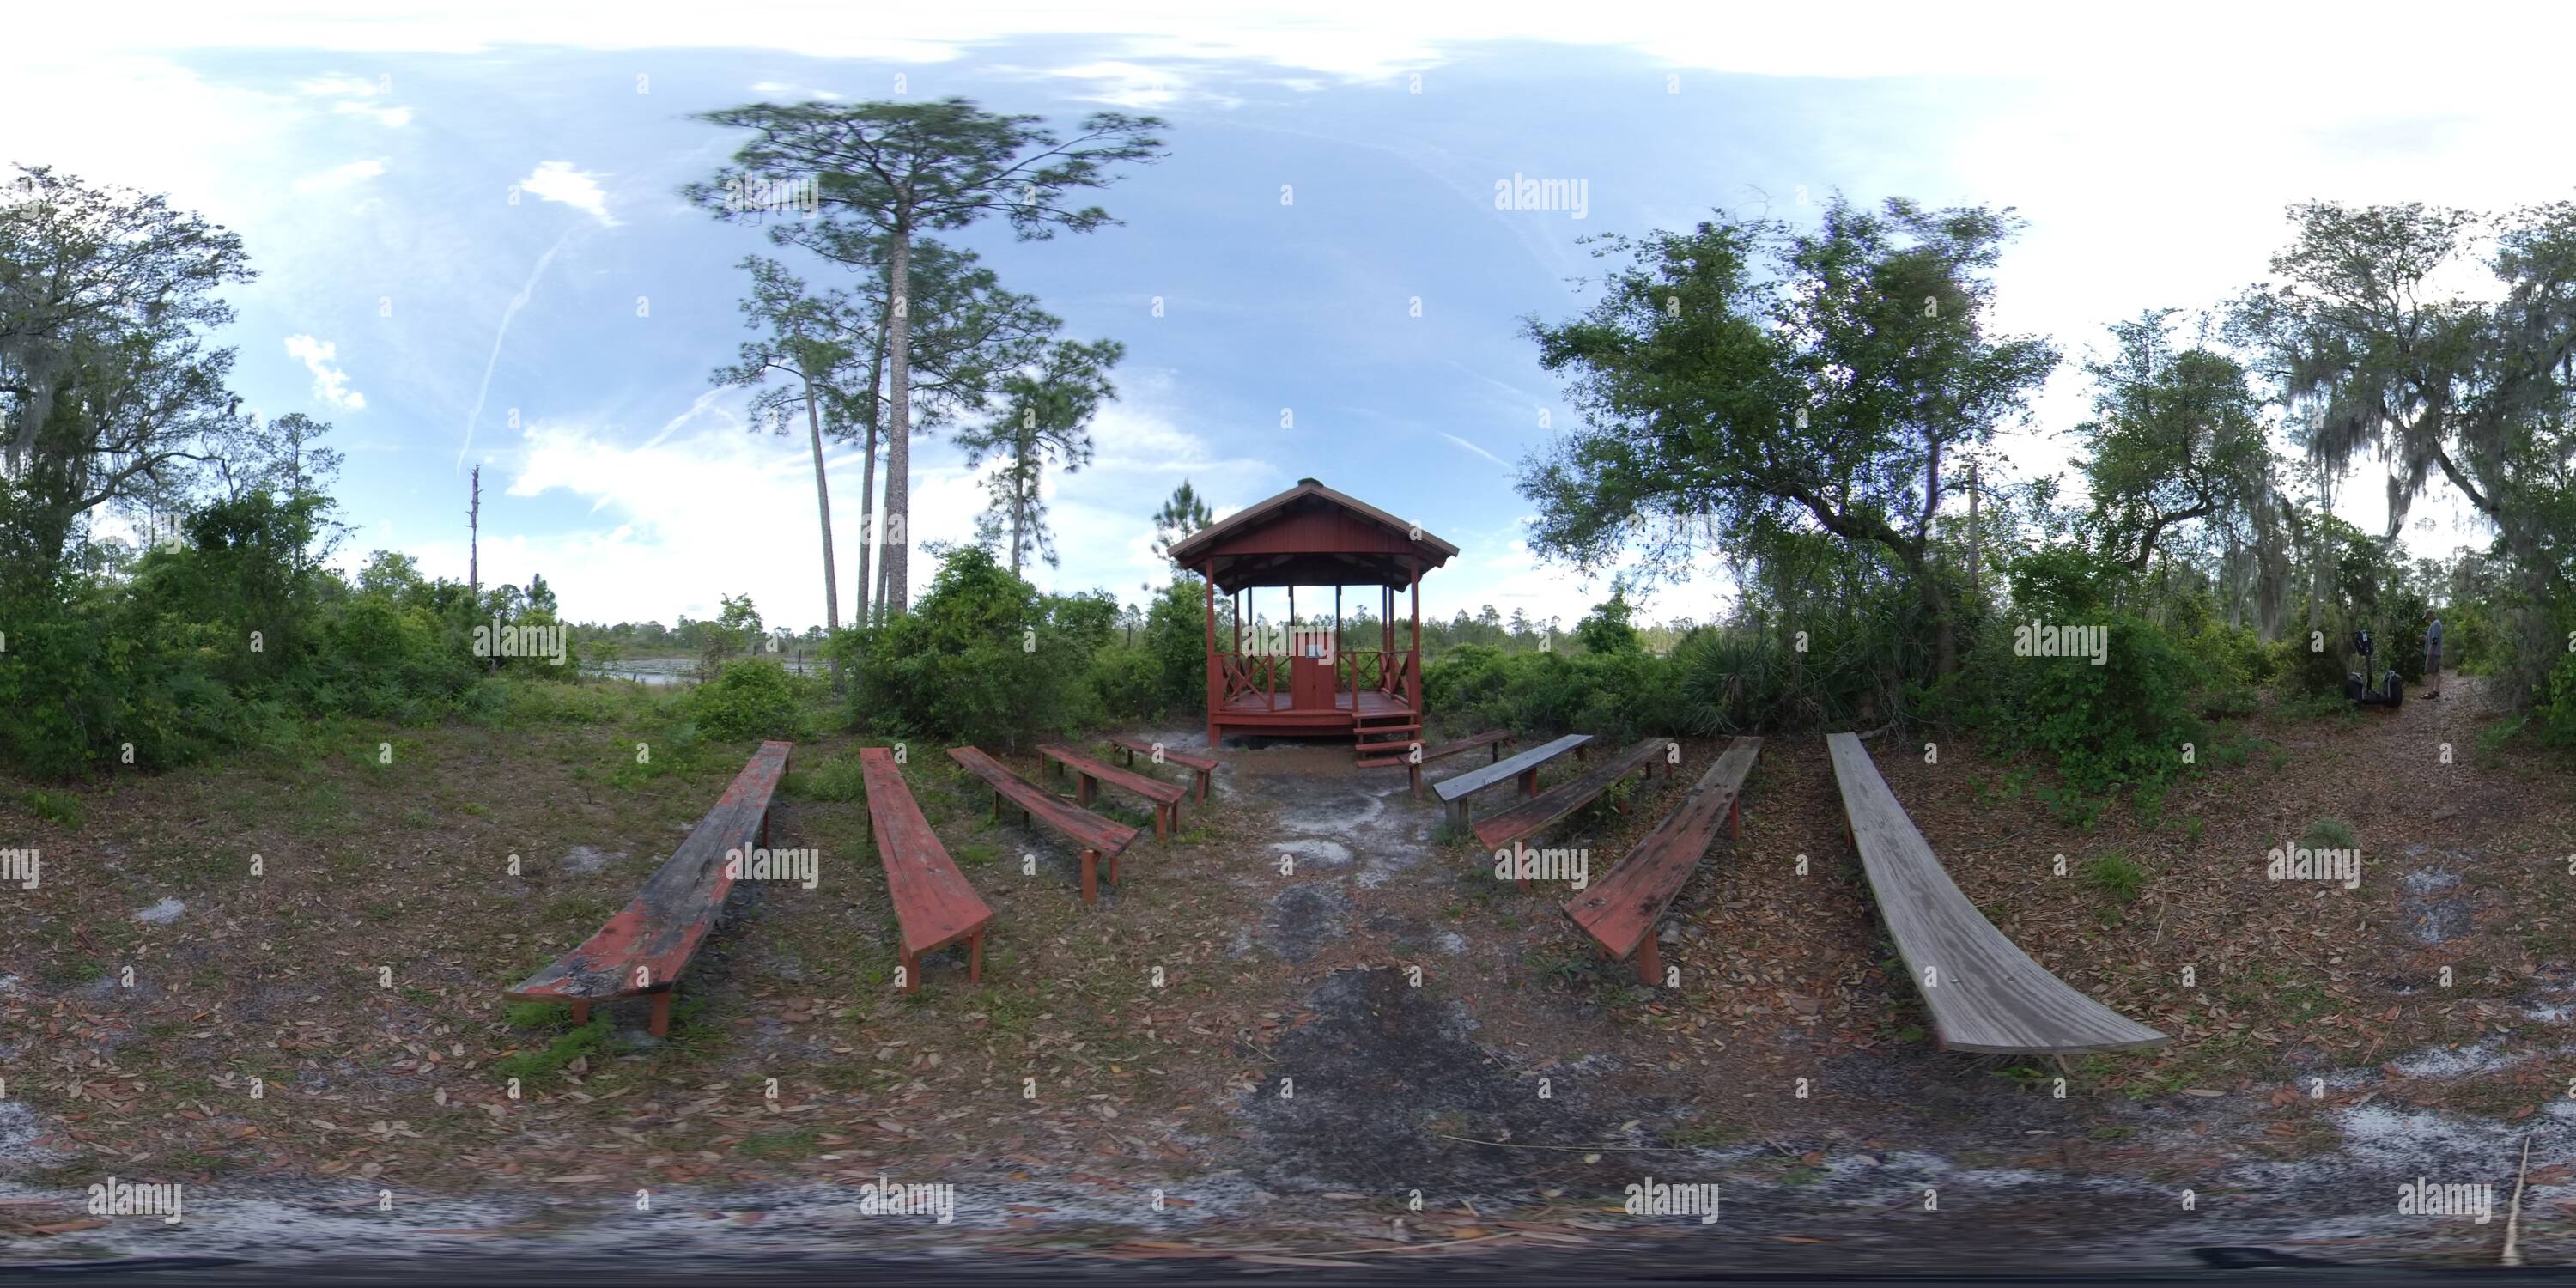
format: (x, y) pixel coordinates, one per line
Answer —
(1311, 535)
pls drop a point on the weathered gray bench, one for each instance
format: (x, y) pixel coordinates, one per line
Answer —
(1454, 790)
(1984, 992)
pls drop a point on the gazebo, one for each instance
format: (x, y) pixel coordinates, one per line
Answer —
(1311, 682)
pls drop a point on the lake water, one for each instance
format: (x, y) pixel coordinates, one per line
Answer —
(681, 670)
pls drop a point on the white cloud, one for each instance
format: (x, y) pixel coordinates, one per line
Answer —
(340, 176)
(391, 117)
(330, 383)
(344, 85)
(561, 181)
(781, 89)
(1133, 85)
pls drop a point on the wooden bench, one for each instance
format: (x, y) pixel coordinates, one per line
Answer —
(1096, 835)
(933, 905)
(1573, 794)
(1088, 773)
(1454, 790)
(642, 950)
(1494, 738)
(1984, 992)
(1204, 766)
(1620, 912)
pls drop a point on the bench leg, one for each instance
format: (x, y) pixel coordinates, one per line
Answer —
(1090, 872)
(1529, 781)
(1650, 964)
(1414, 771)
(1162, 821)
(1082, 791)
(661, 1026)
(975, 958)
(997, 805)
(1458, 812)
(911, 973)
(1204, 776)
(1734, 821)
(580, 1013)
(1498, 754)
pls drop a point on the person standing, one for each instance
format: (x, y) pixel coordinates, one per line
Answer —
(2432, 654)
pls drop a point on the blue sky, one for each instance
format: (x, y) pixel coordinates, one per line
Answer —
(373, 184)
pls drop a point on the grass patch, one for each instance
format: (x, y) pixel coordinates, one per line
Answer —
(836, 779)
(2329, 834)
(2117, 876)
(781, 1144)
(60, 808)
(1703, 1133)
(527, 1066)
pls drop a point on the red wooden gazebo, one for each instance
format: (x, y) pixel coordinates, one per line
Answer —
(1309, 681)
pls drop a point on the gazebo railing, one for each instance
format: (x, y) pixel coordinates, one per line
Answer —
(1355, 671)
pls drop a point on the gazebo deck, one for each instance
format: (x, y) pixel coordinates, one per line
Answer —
(1372, 704)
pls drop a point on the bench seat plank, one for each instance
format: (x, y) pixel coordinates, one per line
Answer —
(1095, 835)
(1458, 786)
(1203, 766)
(1620, 911)
(933, 904)
(1086, 771)
(1566, 797)
(643, 949)
(1986, 993)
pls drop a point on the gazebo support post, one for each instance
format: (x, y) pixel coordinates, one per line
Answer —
(1413, 665)
(1215, 675)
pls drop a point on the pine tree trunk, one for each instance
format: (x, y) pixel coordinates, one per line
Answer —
(823, 506)
(868, 484)
(898, 595)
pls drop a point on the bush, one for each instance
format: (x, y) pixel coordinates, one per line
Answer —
(1129, 683)
(2122, 723)
(747, 699)
(981, 659)
(1620, 695)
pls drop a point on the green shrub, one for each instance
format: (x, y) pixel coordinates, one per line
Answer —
(752, 698)
(1620, 695)
(2120, 724)
(1130, 683)
(2329, 834)
(980, 659)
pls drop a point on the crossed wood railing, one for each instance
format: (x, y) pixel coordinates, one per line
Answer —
(1354, 671)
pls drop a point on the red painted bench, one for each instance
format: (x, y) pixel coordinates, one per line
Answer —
(1088, 773)
(1621, 910)
(641, 951)
(1096, 835)
(932, 902)
(1203, 766)
(1556, 802)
